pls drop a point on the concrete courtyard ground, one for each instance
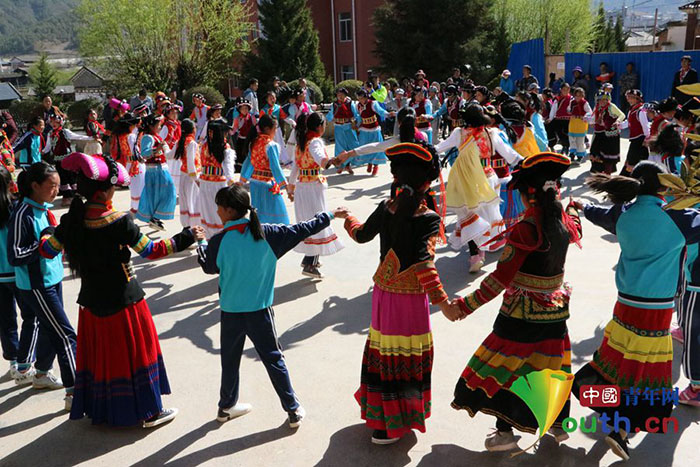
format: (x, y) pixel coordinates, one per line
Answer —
(322, 326)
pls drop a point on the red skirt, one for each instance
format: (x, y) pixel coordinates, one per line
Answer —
(120, 374)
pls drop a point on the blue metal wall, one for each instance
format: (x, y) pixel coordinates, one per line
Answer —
(527, 53)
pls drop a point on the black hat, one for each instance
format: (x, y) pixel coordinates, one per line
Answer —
(422, 155)
(667, 105)
(243, 102)
(451, 90)
(129, 119)
(468, 87)
(151, 119)
(472, 115)
(537, 170)
(142, 110)
(362, 93)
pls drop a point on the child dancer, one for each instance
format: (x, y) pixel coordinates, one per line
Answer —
(530, 332)
(394, 400)
(669, 145)
(217, 172)
(637, 351)
(605, 148)
(275, 111)
(424, 111)
(199, 114)
(343, 113)
(125, 135)
(246, 294)
(58, 144)
(171, 133)
(120, 372)
(187, 153)
(94, 130)
(39, 279)
(580, 112)
(639, 131)
(368, 116)
(308, 191)
(19, 352)
(158, 198)
(242, 125)
(265, 173)
(559, 118)
(29, 147)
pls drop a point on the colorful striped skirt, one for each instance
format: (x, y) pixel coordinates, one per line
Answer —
(120, 375)
(636, 353)
(514, 349)
(394, 392)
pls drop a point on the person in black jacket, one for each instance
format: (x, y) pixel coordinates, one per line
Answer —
(686, 75)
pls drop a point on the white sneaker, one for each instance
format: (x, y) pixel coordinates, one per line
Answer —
(500, 441)
(46, 381)
(23, 378)
(68, 401)
(165, 416)
(238, 410)
(296, 417)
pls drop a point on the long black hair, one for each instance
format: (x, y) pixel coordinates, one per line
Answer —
(644, 180)
(5, 196)
(236, 197)
(264, 123)
(668, 141)
(305, 123)
(38, 172)
(407, 124)
(73, 222)
(217, 142)
(188, 128)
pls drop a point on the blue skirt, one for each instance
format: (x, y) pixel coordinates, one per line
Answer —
(158, 198)
(345, 138)
(270, 206)
(512, 206)
(375, 158)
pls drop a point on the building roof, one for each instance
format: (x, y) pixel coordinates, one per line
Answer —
(688, 7)
(85, 69)
(58, 90)
(641, 39)
(8, 92)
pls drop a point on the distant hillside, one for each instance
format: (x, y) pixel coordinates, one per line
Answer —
(26, 22)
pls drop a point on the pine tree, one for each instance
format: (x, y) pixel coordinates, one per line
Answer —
(619, 35)
(43, 76)
(288, 44)
(600, 30)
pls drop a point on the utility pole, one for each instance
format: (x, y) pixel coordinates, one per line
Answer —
(653, 35)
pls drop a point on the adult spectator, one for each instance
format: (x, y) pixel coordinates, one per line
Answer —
(628, 80)
(140, 99)
(606, 75)
(555, 83)
(579, 81)
(420, 80)
(507, 84)
(251, 94)
(10, 126)
(686, 75)
(527, 79)
(175, 101)
(107, 111)
(378, 92)
(309, 95)
(276, 86)
(47, 110)
(457, 78)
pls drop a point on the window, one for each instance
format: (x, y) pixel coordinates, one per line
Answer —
(345, 27)
(347, 72)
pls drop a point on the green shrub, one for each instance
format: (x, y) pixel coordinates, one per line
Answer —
(210, 94)
(22, 111)
(352, 85)
(318, 94)
(77, 111)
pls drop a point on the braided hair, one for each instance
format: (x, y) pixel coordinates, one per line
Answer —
(73, 222)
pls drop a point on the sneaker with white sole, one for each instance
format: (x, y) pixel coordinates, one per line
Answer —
(559, 434)
(238, 410)
(476, 262)
(296, 417)
(381, 438)
(311, 271)
(46, 381)
(689, 396)
(677, 334)
(618, 445)
(500, 441)
(165, 416)
(23, 378)
(68, 402)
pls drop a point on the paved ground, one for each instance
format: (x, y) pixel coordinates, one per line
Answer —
(322, 326)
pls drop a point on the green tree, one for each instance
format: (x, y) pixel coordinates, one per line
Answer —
(565, 26)
(161, 44)
(458, 32)
(43, 76)
(619, 35)
(608, 35)
(288, 43)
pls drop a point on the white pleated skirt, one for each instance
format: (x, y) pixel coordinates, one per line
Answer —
(189, 201)
(309, 200)
(136, 186)
(207, 207)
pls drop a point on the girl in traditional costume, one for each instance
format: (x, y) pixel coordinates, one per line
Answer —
(199, 115)
(308, 191)
(242, 125)
(273, 110)
(395, 388)
(605, 148)
(638, 125)
(637, 351)
(187, 154)
(171, 133)
(424, 111)
(96, 131)
(343, 113)
(124, 150)
(580, 112)
(368, 117)
(159, 196)
(120, 374)
(217, 172)
(265, 173)
(530, 332)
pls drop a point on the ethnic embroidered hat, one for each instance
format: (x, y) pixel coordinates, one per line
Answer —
(420, 155)
(96, 168)
(536, 170)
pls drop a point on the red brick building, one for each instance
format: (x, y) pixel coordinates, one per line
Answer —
(346, 36)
